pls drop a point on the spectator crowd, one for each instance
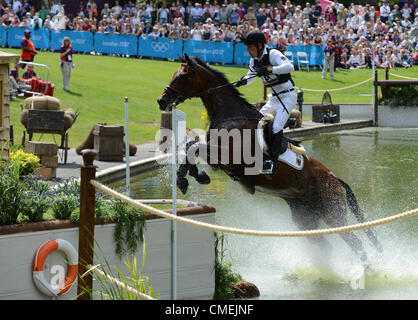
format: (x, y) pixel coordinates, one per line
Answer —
(359, 33)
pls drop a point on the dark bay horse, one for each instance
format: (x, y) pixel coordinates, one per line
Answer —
(312, 193)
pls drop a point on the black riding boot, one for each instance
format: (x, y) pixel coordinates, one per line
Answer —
(269, 165)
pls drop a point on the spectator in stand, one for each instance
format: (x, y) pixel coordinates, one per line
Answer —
(155, 34)
(384, 11)
(251, 17)
(354, 61)
(217, 37)
(207, 33)
(196, 13)
(105, 11)
(163, 14)
(223, 14)
(196, 33)
(329, 59)
(261, 17)
(234, 18)
(184, 35)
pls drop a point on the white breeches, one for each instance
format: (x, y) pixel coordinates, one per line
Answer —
(289, 99)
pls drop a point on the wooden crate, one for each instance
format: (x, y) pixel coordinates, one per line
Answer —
(108, 142)
(318, 112)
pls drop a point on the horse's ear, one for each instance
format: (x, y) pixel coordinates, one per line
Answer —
(182, 60)
(189, 61)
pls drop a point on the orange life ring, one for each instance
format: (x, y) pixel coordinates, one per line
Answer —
(38, 267)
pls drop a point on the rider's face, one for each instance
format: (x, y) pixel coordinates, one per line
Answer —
(253, 51)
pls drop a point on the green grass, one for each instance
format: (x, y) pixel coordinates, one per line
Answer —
(102, 82)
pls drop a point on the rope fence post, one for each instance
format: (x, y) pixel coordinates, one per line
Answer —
(86, 225)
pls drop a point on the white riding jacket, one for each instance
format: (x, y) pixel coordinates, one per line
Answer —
(281, 65)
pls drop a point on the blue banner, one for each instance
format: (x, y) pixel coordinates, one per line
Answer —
(315, 54)
(210, 51)
(116, 44)
(81, 41)
(39, 37)
(241, 55)
(3, 36)
(160, 48)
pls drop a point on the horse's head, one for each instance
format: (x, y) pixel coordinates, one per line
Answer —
(183, 85)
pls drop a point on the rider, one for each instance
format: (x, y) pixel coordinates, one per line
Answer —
(274, 70)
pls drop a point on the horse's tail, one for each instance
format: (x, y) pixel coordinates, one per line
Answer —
(359, 214)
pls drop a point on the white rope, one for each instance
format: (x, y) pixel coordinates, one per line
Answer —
(119, 284)
(397, 75)
(217, 228)
(338, 89)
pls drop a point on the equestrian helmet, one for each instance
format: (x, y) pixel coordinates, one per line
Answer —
(254, 37)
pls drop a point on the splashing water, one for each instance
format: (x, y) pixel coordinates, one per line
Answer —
(381, 167)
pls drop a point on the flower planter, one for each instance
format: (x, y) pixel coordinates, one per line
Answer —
(195, 262)
(406, 117)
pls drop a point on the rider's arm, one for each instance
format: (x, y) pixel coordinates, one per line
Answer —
(281, 65)
(251, 75)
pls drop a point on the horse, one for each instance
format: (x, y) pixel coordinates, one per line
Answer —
(312, 192)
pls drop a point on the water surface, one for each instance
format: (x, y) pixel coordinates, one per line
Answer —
(380, 164)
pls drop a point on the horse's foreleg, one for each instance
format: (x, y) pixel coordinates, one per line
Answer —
(182, 182)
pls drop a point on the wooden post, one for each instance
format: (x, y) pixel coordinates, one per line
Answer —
(376, 98)
(386, 73)
(86, 225)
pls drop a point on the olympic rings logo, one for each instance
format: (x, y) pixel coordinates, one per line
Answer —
(160, 46)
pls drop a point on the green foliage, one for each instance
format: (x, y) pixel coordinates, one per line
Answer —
(135, 279)
(28, 162)
(64, 205)
(129, 229)
(225, 276)
(402, 97)
(36, 199)
(12, 188)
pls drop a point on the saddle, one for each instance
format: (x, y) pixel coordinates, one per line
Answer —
(293, 144)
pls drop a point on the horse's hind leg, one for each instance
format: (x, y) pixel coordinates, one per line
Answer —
(305, 217)
(336, 216)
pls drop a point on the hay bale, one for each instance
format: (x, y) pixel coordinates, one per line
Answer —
(24, 117)
(88, 143)
(132, 149)
(69, 118)
(42, 103)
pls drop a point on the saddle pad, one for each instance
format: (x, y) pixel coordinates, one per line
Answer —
(292, 159)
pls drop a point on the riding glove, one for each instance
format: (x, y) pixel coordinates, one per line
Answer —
(263, 70)
(241, 82)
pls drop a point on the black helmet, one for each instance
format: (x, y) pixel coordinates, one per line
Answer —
(254, 37)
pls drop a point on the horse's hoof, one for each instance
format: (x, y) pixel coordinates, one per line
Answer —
(182, 184)
(203, 178)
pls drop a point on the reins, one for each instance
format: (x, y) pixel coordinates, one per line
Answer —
(181, 97)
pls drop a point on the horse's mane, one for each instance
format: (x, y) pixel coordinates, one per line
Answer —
(222, 78)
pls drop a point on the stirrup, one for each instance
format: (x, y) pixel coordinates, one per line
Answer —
(267, 167)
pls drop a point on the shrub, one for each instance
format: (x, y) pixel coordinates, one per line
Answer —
(402, 96)
(28, 162)
(66, 198)
(11, 192)
(225, 276)
(36, 200)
